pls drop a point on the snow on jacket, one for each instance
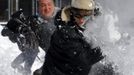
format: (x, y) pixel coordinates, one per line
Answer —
(47, 29)
(69, 53)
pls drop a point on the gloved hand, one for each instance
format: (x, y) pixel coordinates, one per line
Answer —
(97, 12)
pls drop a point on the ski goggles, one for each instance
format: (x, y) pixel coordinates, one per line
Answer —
(85, 18)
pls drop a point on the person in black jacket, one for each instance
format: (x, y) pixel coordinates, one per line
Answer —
(19, 29)
(69, 52)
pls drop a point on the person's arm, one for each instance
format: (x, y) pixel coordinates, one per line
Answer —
(96, 55)
(12, 36)
(5, 31)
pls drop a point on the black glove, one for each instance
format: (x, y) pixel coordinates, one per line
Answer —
(97, 11)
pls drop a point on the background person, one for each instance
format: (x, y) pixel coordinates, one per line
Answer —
(47, 12)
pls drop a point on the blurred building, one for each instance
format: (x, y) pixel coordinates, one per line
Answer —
(8, 7)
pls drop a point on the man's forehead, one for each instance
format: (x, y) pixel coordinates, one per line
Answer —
(45, 1)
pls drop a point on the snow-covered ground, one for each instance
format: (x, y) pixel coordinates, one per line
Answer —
(116, 32)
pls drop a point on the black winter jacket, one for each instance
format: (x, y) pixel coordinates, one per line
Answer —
(69, 53)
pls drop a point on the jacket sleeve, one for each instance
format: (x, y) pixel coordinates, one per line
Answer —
(5, 31)
(96, 55)
(12, 36)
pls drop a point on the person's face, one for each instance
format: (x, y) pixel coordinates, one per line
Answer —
(81, 18)
(46, 8)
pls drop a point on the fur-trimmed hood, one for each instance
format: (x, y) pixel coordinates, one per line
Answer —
(65, 14)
